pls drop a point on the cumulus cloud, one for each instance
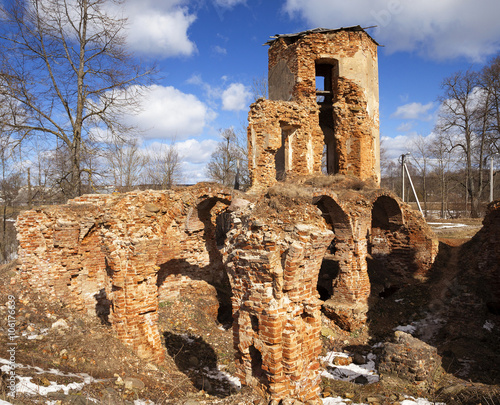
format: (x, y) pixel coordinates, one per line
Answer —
(236, 97)
(168, 113)
(396, 146)
(196, 152)
(414, 111)
(436, 29)
(159, 28)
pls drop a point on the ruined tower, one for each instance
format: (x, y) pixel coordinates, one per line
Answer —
(323, 109)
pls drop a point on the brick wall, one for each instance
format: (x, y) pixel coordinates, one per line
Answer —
(142, 247)
(294, 120)
(136, 246)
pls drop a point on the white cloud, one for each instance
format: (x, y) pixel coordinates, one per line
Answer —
(159, 28)
(438, 29)
(168, 113)
(236, 97)
(396, 146)
(405, 127)
(220, 50)
(228, 3)
(196, 152)
(414, 111)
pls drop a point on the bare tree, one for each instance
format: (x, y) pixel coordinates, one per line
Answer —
(64, 70)
(259, 87)
(10, 184)
(460, 118)
(490, 82)
(228, 160)
(165, 167)
(126, 163)
(419, 148)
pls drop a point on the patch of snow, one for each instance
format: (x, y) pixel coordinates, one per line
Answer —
(338, 401)
(187, 338)
(445, 225)
(218, 374)
(399, 300)
(142, 402)
(407, 401)
(488, 325)
(25, 385)
(411, 329)
(466, 366)
(350, 372)
(233, 381)
(2, 402)
(429, 326)
(419, 401)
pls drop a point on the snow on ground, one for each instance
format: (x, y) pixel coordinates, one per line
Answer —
(425, 328)
(445, 225)
(488, 325)
(407, 401)
(338, 401)
(25, 386)
(353, 371)
(406, 328)
(350, 372)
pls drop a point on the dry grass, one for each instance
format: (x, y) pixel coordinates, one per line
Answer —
(337, 181)
(459, 229)
(301, 186)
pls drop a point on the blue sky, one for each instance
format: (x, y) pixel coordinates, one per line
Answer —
(210, 51)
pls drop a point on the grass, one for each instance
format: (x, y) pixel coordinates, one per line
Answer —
(470, 228)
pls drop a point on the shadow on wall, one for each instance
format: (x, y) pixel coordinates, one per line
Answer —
(391, 258)
(212, 213)
(103, 307)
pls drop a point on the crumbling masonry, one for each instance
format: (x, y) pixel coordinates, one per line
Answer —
(323, 108)
(287, 259)
(142, 247)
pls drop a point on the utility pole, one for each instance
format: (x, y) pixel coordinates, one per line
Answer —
(403, 164)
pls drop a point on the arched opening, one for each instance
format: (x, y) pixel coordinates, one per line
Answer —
(256, 362)
(386, 214)
(194, 257)
(388, 247)
(326, 72)
(338, 221)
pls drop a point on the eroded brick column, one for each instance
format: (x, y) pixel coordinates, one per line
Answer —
(276, 309)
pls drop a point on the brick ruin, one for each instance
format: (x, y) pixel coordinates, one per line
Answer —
(286, 259)
(119, 255)
(130, 251)
(323, 109)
